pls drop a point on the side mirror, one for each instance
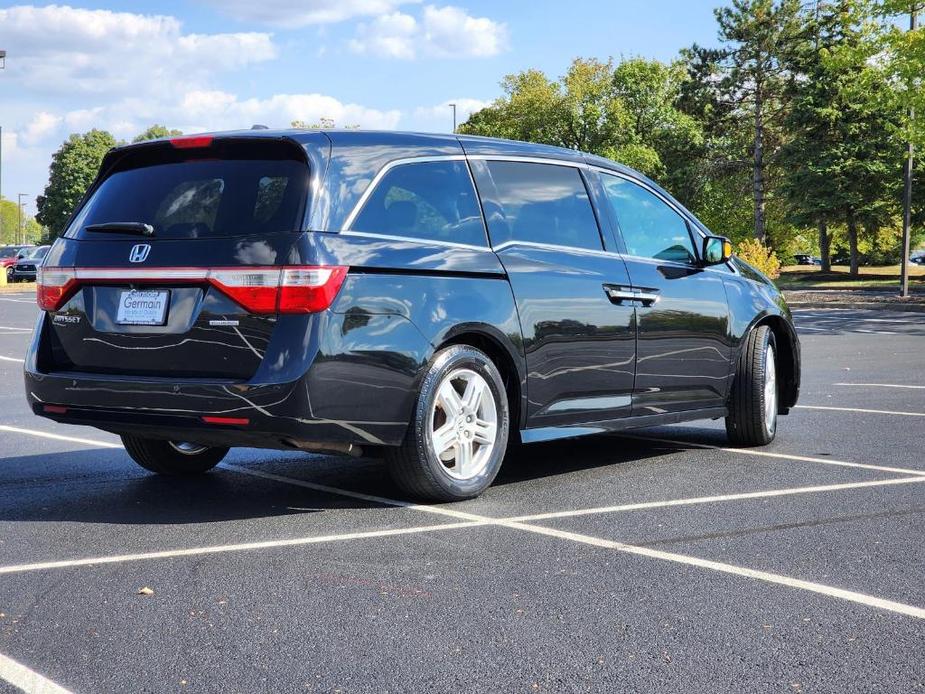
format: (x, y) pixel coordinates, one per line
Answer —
(716, 250)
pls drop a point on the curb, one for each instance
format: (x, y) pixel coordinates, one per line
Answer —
(859, 305)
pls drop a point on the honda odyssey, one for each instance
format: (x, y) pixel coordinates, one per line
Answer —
(428, 298)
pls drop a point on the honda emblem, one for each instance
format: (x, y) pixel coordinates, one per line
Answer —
(139, 253)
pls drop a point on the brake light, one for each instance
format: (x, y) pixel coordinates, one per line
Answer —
(256, 289)
(309, 289)
(259, 289)
(191, 142)
(54, 286)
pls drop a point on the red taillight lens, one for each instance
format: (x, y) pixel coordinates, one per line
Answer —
(309, 289)
(256, 289)
(54, 286)
(192, 142)
(291, 289)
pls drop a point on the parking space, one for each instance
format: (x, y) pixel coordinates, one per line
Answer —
(664, 560)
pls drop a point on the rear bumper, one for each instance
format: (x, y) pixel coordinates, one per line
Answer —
(265, 416)
(334, 390)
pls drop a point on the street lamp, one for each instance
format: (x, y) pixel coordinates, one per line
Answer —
(22, 235)
(453, 106)
(2, 66)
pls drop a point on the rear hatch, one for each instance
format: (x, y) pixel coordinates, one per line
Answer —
(173, 266)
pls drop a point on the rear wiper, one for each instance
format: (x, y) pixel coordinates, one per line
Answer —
(123, 228)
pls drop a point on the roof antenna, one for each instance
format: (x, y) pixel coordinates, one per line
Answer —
(258, 126)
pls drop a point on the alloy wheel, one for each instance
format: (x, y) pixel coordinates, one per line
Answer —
(770, 390)
(463, 424)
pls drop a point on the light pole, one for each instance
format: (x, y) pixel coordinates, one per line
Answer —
(907, 189)
(22, 235)
(2, 66)
(453, 106)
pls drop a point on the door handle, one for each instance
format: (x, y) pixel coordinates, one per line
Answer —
(644, 295)
(618, 294)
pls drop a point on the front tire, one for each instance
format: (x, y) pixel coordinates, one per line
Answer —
(458, 437)
(172, 457)
(752, 419)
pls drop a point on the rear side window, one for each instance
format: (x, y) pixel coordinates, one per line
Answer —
(543, 203)
(650, 228)
(198, 199)
(432, 201)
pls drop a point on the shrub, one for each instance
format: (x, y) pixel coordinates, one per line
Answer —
(755, 253)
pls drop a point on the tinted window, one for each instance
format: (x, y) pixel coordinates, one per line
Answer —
(429, 200)
(651, 229)
(544, 203)
(202, 198)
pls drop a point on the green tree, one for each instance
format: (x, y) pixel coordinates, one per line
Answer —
(866, 158)
(757, 35)
(73, 168)
(32, 230)
(323, 123)
(625, 112)
(155, 132)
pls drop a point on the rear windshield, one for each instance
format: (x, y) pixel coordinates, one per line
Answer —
(200, 198)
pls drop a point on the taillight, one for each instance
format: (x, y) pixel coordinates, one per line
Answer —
(259, 289)
(309, 289)
(54, 286)
(256, 289)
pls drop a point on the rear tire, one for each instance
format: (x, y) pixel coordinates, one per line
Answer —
(172, 458)
(458, 436)
(752, 419)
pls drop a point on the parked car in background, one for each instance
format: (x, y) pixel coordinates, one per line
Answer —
(428, 298)
(24, 270)
(8, 257)
(918, 260)
(805, 259)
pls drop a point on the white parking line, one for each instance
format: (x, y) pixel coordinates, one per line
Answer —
(717, 499)
(859, 409)
(27, 680)
(781, 456)
(18, 330)
(239, 547)
(475, 519)
(59, 437)
(830, 591)
(20, 361)
(879, 385)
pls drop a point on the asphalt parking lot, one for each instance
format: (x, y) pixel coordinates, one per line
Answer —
(664, 561)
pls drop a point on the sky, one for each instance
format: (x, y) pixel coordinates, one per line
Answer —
(205, 65)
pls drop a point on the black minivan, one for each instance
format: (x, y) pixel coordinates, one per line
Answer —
(428, 298)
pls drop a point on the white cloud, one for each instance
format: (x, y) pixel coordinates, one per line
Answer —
(443, 32)
(40, 126)
(216, 110)
(443, 113)
(67, 50)
(450, 32)
(391, 36)
(299, 13)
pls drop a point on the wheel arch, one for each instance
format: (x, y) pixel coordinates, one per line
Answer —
(787, 357)
(503, 353)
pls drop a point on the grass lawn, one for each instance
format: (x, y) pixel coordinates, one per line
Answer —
(879, 277)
